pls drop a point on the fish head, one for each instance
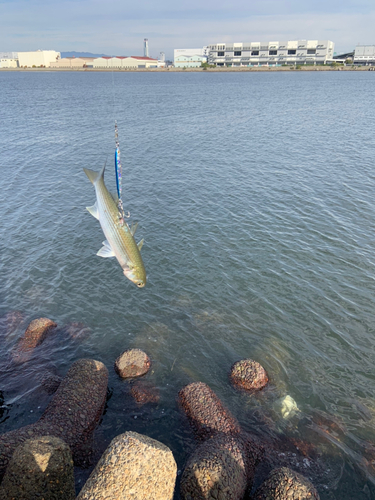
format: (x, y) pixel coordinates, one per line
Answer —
(135, 277)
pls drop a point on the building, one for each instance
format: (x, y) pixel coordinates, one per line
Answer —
(8, 63)
(73, 62)
(271, 53)
(8, 55)
(145, 47)
(38, 58)
(364, 54)
(161, 60)
(144, 62)
(122, 62)
(188, 53)
(185, 61)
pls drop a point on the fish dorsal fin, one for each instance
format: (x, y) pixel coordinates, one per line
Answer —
(133, 228)
(106, 250)
(94, 210)
(140, 244)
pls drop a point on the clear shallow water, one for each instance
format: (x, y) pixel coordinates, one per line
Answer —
(255, 195)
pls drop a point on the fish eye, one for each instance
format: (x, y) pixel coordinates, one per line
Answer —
(140, 284)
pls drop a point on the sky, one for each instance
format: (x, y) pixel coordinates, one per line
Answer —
(118, 27)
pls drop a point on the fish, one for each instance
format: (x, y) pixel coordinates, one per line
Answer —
(120, 242)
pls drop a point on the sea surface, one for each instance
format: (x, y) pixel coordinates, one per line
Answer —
(255, 194)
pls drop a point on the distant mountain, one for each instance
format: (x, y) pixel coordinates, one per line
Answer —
(81, 54)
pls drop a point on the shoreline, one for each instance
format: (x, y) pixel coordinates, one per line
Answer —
(197, 70)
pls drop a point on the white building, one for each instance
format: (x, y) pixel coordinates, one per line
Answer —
(72, 62)
(178, 54)
(271, 53)
(8, 55)
(37, 58)
(8, 63)
(122, 62)
(185, 61)
(364, 54)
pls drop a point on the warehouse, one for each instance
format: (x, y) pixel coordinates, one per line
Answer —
(8, 63)
(72, 62)
(364, 54)
(184, 61)
(38, 58)
(271, 53)
(122, 62)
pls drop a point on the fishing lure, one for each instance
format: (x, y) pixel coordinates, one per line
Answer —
(118, 171)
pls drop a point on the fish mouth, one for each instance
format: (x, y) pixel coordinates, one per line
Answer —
(134, 279)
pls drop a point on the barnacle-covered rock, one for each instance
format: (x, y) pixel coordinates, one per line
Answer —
(144, 392)
(40, 468)
(249, 375)
(132, 363)
(206, 412)
(72, 414)
(221, 468)
(132, 467)
(285, 484)
(34, 335)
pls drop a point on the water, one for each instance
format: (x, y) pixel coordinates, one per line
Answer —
(255, 195)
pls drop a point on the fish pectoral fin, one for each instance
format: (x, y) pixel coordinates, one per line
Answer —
(94, 210)
(106, 250)
(140, 244)
(133, 228)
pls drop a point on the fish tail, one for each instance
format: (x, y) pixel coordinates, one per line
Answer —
(94, 176)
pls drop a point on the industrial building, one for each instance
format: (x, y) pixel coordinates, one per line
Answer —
(184, 61)
(190, 58)
(271, 53)
(38, 58)
(364, 54)
(73, 62)
(8, 63)
(122, 62)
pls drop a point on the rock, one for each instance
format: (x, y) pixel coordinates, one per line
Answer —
(40, 468)
(132, 363)
(285, 484)
(132, 467)
(77, 331)
(49, 381)
(72, 414)
(10, 321)
(34, 335)
(206, 412)
(144, 392)
(221, 468)
(249, 375)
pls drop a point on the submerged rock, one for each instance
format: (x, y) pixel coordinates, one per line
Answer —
(132, 363)
(221, 468)
(40, 468)
(144, 392)
(132, 467)
(77, 331)
(49, 381)
(34, 335)
(206, 412)
(285, 484)
(249, 375)
(10, 321)
(72, 414)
